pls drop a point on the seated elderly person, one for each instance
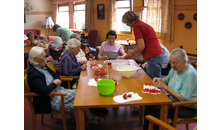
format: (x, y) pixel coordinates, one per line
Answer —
(180, 83)
(68, 64)
(110, 49)
(42, 80)
(84, 53)
(31, 41)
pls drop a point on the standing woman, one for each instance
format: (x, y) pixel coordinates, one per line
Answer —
(62, 32)
(147, 44)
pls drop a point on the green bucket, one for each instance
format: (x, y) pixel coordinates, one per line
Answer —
(106, 86)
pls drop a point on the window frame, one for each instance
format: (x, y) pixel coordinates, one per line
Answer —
(131, 8)
(79, 3)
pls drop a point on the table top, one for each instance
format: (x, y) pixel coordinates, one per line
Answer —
(89, 97)
(28, 48)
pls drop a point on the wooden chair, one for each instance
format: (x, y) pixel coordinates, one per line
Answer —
(63, 78)
(186, 121)
(161, 124)
(29, 96)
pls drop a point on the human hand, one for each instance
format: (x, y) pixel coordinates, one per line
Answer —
(104, 57)
(120, 57)
(127, 57)
(155, 80)
(83, 62)
(84, 66)
(159, 84)
(130, 53)
(57, 82)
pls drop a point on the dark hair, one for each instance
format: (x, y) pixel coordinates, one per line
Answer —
(111, 32)
(55, 27)
(29, 33)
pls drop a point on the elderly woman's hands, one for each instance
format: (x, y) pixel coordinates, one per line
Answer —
(157, 82)
(84, 66)
(57, 82)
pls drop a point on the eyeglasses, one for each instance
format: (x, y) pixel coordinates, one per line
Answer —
(175, 63)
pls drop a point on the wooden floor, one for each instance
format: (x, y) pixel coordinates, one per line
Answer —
(125, 119)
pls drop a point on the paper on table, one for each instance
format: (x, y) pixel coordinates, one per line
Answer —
(120, 99)
(92, 82)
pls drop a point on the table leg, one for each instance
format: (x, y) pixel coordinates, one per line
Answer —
(163, 113)
(141, 114)
(80, 119)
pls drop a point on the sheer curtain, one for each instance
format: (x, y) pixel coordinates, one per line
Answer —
(160, 15)
(111, 14)
(89, 24)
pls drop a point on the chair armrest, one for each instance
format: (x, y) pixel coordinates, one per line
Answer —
(159, 122)
(68, 78)
(51, 94)
(181, 103)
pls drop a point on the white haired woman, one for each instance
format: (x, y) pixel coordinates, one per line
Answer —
(43, 80)
(180, 83)
(68, 62)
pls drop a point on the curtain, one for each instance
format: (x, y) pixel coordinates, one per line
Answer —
(55, 12)
(160, 15)
(89, 23)
(111, 14)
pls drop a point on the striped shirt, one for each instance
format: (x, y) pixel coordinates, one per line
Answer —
(69, 65)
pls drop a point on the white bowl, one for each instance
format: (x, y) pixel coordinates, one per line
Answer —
(116, 63)
(127, 70)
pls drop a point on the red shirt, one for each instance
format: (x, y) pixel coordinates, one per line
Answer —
(145, 31)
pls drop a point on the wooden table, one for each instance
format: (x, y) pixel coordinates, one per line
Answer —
(89, 97)
(27, 49)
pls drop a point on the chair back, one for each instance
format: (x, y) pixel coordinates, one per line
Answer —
(55, 51)
(51, 66)
(29, 98)
(186, 121)
(92, 37)
(26, 86)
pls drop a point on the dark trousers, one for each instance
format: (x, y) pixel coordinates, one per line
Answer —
(183, 112)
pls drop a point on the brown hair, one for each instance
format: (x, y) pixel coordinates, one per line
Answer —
(129, 17)
(55, 27)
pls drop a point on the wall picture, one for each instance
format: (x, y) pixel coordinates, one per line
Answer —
(100, 11)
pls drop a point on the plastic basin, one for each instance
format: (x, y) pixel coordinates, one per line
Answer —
(106, 87)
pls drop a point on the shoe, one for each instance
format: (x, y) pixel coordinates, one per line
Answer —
(95, 120)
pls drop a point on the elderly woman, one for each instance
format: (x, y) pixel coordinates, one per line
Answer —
(109, 49)
(180, 83)
(84, 51)
(43, 80)
(68, 64)
(31, 41)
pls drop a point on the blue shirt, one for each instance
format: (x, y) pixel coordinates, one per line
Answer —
(68, 64)
(184, 83)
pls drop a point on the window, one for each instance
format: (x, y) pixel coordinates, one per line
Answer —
(144, 16)
(122, 7)
(79, 16)
(63, 16)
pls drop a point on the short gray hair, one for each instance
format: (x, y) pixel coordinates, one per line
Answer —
(180, 53)
(57, 39)
(74, 35)
(73, 43)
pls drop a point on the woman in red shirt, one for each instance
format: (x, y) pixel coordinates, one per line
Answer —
(147, 44)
